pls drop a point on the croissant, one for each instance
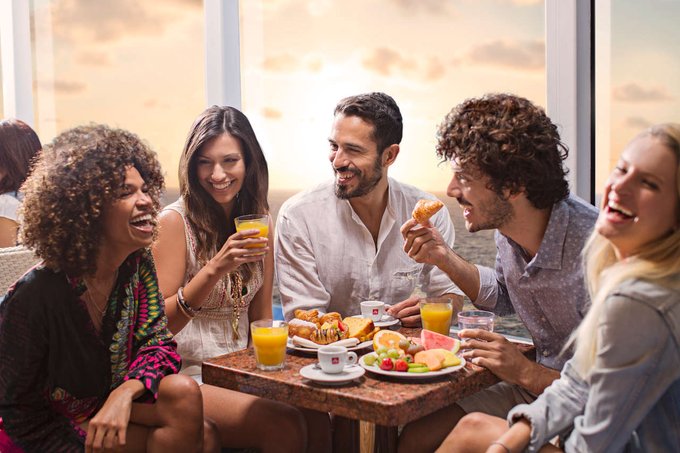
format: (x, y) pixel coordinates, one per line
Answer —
(300, 328)
(308, 315)
(330, 317)
(425, 209)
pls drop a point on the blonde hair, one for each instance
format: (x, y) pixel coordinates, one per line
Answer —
(658, 263)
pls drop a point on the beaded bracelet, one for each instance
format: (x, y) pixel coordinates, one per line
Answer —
(501, 444)
(184, 306)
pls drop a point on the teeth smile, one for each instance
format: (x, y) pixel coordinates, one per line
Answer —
(617, 207)
(143, 219)
(222, 186)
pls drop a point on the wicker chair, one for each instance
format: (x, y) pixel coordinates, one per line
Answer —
(14, 262)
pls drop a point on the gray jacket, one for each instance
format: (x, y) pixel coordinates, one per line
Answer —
(631, 400)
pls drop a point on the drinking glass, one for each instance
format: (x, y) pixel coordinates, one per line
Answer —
(436, 313)
(258, 222)
(269, 341)
(476, 319)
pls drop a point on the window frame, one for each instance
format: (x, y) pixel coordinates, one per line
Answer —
(569, 71)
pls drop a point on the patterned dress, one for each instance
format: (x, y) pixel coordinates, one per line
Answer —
(57, 370)
(210, 333)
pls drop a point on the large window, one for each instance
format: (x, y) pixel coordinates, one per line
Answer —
(299, 58)
(638, 73)
(135, 65)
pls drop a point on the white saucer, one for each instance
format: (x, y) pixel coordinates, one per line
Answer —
(385, 321)
(315, 374)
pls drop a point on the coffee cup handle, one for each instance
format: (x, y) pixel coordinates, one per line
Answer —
(351, 358)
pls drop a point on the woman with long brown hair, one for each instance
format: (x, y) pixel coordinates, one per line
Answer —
(215, 285)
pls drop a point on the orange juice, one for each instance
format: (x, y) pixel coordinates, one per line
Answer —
(262, 225)
(436, 316)
(270, 345)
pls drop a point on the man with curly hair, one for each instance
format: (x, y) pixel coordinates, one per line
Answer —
(508, 175)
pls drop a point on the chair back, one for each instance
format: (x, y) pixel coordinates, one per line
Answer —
(14, 262)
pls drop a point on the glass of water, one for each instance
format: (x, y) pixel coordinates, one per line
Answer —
(476, 319)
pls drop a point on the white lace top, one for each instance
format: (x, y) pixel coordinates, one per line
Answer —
(210, 333)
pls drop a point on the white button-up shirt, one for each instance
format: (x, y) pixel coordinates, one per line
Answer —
(326, 257)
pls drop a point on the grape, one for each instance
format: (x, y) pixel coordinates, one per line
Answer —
(393, 354)
(381, 350)
(382, 356)
(370, 359)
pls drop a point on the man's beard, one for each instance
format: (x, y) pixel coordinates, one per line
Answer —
(366, 183)
(497, 212)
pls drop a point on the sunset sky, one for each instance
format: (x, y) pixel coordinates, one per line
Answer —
(139, 65)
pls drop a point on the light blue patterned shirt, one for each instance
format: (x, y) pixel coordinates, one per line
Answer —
(548, 293)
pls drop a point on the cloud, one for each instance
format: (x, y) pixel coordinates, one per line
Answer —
(192, 3)
(83, 20)
(428, 6)
(271, 113)
(435, 69)
(633, 92)
(94, 59)
(525, 55)
(286, 62)
(524, 2)
(637, 122)
(67, 87)
(386, 61)
(281, 63)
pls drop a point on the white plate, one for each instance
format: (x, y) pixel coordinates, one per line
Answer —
(385, 321)
(315, 374)
(411, 376)
(293, 346)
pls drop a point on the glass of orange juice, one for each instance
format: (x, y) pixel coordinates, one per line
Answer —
(436, 313)
(269, 342)
(258, 222)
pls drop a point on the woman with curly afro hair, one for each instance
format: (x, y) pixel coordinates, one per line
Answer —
(83, 337)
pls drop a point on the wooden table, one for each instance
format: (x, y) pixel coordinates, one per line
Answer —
(387, 402)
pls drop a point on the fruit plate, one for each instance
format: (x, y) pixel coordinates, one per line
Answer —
(294, 347)
(410, 376)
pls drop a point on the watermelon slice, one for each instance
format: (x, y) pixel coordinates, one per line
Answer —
(434, 340)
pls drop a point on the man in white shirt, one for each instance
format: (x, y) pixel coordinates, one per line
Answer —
(339, 243)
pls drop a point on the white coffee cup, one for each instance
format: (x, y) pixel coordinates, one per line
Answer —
(333, 359)
(373, 309)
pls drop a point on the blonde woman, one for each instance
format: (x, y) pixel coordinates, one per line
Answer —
(621, 390)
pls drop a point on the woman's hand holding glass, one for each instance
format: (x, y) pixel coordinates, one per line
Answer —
(241, 247)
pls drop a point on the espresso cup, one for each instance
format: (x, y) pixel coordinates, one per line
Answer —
(334, 359)
(373, 309)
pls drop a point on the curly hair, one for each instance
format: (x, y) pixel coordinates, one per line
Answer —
(378, 109)
(80, 173)
(510, 140)
(19, 145)
(204, 213)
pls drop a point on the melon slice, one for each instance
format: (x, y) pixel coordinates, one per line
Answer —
(434, 340)
(433, 359)
(450, 359)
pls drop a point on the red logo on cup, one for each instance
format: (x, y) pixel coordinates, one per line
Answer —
(375, 311)
(335, 360)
